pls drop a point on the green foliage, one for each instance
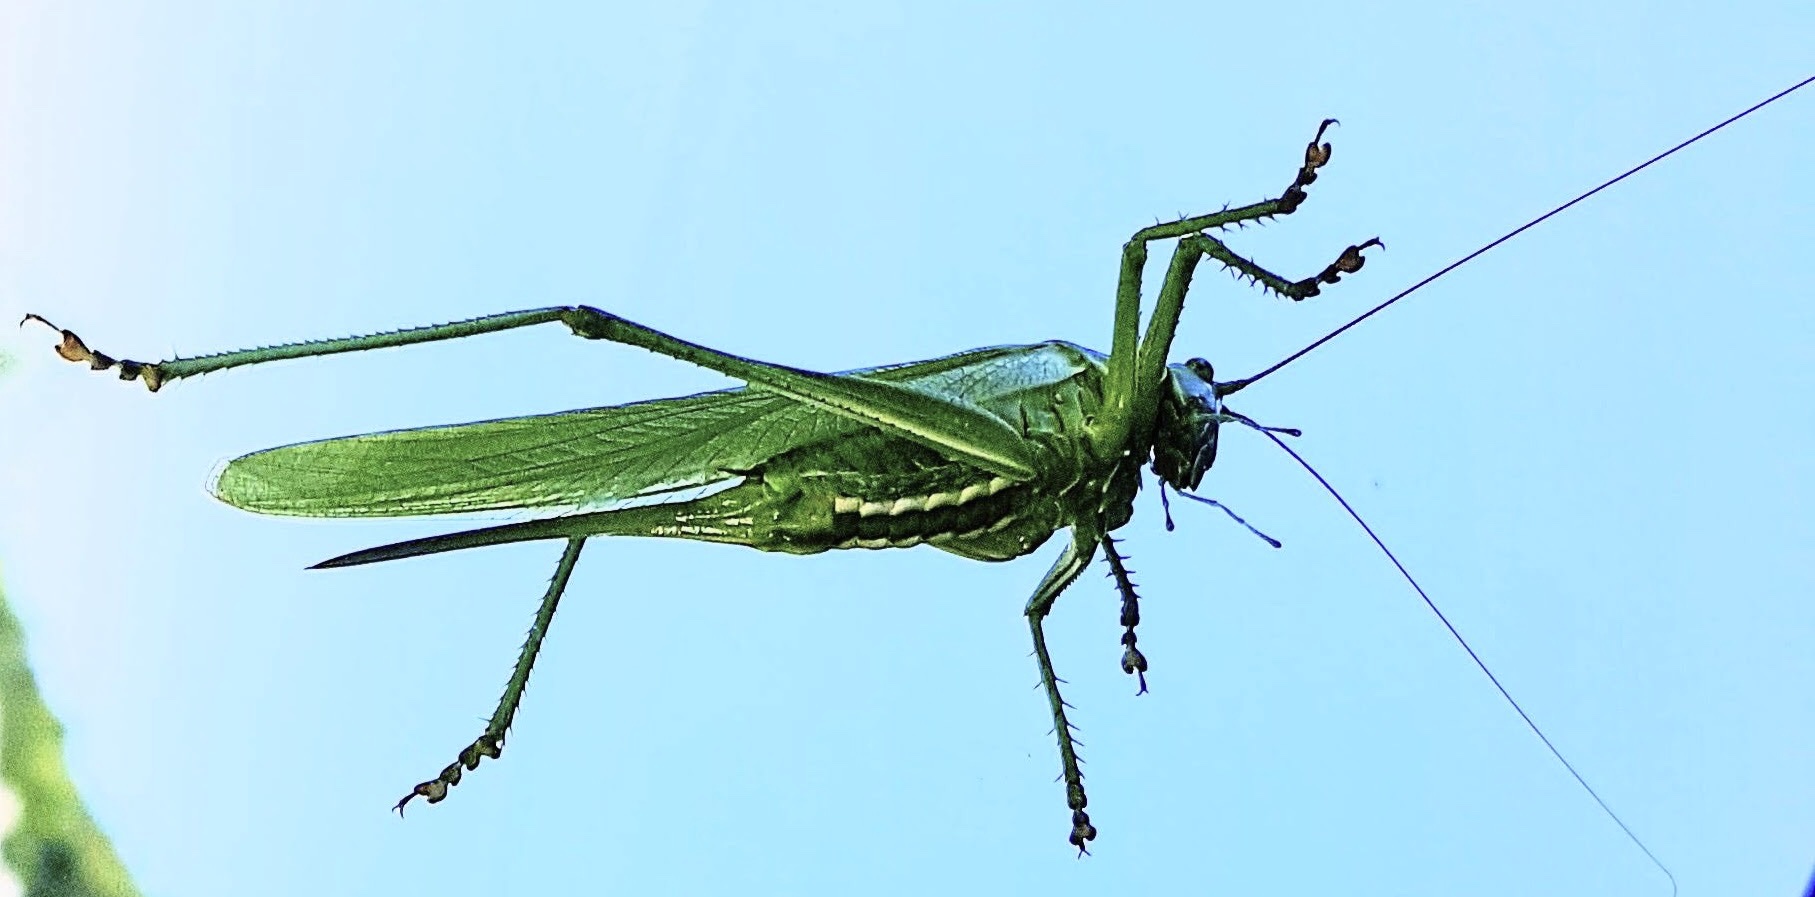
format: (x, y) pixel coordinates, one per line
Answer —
(54, 848)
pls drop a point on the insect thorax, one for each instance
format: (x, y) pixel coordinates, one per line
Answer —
(870, 489)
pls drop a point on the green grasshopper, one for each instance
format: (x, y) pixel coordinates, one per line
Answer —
(985, 453)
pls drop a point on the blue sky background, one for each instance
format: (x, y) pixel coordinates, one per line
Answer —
(1591, 445)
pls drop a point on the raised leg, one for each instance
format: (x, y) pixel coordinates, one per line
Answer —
(1134, 367)
(1064, 572)
(944, 423)
(491, 742)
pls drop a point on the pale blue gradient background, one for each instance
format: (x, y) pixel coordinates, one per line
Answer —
(1592, 445)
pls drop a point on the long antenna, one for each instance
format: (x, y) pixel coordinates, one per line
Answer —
(1479, 663)
(1234, 386)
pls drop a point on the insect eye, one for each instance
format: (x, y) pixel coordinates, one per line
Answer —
(1202, 368)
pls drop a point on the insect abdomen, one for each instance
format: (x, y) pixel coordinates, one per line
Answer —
(880, 492)
(992, 505)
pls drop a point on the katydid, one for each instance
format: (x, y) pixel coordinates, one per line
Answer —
(985, 453)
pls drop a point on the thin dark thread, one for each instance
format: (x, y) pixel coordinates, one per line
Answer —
(1479, 663)
(1234, 386)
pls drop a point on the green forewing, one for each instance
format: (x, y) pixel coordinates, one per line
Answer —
(599, 458)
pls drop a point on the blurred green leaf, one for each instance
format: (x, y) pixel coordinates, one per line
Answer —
(54, 848)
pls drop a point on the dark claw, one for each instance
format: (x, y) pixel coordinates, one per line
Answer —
(1133, 661)
(435, 790)
(1317, 155)
(1351, 260)
(1082, 831)
(73, 349)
